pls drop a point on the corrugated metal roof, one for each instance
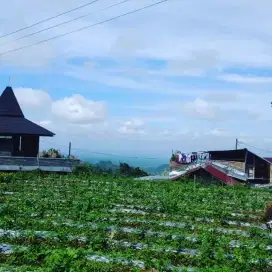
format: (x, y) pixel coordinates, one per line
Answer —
(9, 105)
(12, 119)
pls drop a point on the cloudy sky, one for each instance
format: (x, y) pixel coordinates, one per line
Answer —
(186, 74)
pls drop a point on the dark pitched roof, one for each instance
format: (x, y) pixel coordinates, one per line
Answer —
(235, 155)
(268, 159)
(21, 126)
(12, 120)
(9, 105)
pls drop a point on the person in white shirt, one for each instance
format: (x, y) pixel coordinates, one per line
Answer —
(188, 158)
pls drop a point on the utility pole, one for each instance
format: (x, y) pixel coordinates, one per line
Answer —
(236, 144)
(70, 145)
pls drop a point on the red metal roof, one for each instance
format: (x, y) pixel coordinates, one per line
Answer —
(215, 172)
(220, 175)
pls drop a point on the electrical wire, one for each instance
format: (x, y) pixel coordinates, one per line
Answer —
(264, 150)
(134, 157)
(48, 19)
(83, 28)
(63, 23)
(101, 153)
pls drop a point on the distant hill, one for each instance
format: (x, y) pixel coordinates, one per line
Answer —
(107, 165)
(151, 170)
(135, 162)
(123, 169)
(156, 170)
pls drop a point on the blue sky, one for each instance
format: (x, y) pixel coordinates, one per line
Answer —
(187, 75)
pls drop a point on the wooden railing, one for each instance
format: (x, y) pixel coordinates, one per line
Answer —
(10, 163)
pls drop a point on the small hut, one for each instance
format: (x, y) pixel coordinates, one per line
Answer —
(18, 136)
(20, 140)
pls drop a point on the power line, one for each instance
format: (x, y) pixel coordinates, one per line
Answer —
(83, 28)
(63, 23)
(48, 19)
(101, 153)
(261, 149)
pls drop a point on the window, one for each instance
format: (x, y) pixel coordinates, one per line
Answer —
(250, 172)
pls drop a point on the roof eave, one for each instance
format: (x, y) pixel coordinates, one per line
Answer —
(52, 135)
(226, 150)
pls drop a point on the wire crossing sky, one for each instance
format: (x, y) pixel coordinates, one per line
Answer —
(48, 19)
(83, 28)
(63, 23)
(182, 75)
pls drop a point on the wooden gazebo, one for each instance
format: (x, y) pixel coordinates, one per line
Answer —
(18, 136)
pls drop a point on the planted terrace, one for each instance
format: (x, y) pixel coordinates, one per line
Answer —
(67, 223)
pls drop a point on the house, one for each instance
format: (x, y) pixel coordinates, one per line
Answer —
(257, 168)
(228, 166)
(20, 139)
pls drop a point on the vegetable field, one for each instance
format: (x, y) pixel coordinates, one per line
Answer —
(67, 223)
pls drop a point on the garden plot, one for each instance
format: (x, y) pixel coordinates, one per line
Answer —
(124, 225)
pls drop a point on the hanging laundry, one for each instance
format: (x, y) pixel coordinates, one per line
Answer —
(179, 158)
(188, 158)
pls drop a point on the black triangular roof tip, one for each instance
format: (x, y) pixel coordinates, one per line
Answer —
(12, 119)
(9, 105)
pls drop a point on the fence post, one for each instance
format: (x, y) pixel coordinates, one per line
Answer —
(70, 146)
(194, 182)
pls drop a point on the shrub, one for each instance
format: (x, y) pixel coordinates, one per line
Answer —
(268, 212)
(7, 177)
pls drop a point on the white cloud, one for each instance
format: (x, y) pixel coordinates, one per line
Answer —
(222, 96)
(202, 38)
(170, 134)
(48, 124)
(73, 115)
(45, 122)
(35, 103)
(77, 109)
(195, 135)
(218, 132)
(30, 58)
(212, 39)
(200, 108)
(32, 98)
(128, 42)
(197, 62)
(268, 140)
(246, 79)
(132, 127)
